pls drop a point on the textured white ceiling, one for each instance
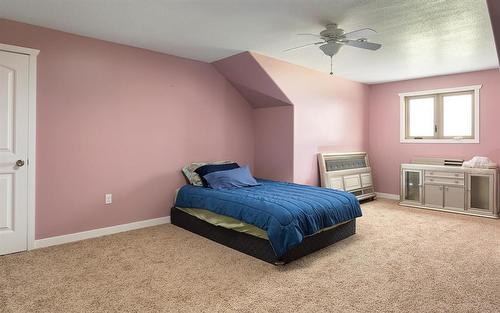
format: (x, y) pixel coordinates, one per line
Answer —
(420, 37)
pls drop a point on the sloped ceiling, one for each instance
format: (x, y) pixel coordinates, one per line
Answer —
(494, 8)
(258, 99)
(252, 81)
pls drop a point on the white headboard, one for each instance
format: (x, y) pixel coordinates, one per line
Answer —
(347, 171)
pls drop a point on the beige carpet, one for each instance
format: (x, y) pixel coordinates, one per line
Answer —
(401, 260)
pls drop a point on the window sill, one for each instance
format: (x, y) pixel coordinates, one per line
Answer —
(459, 141)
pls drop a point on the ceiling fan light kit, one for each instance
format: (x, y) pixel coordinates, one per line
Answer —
(330, 49)
(333, 38)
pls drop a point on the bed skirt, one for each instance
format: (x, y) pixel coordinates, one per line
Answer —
(258, 247)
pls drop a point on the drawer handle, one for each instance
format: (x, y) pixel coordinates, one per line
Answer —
(456, 175)
(431, 179)
(456, 181)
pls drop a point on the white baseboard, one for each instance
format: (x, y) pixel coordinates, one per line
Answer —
(384, 195)
(58, 240)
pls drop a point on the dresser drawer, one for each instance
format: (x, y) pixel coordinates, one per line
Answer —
(444, 174)
(444, 181)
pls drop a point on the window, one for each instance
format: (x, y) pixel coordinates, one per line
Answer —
(440, 116)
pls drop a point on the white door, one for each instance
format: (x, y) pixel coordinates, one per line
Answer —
(14, 75)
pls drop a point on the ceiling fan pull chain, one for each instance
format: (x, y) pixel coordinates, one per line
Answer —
(331, 65)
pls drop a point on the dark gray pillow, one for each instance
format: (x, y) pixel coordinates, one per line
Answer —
(210, 168)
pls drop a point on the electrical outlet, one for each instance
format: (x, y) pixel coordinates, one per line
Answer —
(108, 199)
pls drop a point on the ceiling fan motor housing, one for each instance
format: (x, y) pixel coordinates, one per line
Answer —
(331, 32)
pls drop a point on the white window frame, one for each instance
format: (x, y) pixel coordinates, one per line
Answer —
(403, 122)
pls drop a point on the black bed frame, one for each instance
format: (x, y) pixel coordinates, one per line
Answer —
(258, 247)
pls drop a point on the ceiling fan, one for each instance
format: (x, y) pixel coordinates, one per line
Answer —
(333, 38)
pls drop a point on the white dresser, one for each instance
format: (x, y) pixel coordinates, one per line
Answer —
(347, 171)
(450, 188)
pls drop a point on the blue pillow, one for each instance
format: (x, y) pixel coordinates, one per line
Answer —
(235, 178)
(210, 168)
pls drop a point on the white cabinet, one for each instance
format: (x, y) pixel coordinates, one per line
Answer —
(444, 190)
(444, 197)
(450, 188)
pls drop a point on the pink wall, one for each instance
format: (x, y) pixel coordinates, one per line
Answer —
(121, 120)
(387, 153)
(330, 114)
(274, 143)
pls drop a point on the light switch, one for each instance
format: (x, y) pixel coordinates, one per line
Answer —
(108, 198)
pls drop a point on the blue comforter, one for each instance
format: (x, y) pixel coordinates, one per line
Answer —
(288, 212)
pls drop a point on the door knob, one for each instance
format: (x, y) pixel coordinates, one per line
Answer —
(19, 163)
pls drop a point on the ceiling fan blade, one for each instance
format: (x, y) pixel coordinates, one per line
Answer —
(304, 46)
(360, 33)
(309, 34)
(362, 44)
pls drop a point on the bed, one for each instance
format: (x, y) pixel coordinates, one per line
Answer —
(276, 222)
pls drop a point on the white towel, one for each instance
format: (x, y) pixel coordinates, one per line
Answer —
(478, 162)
